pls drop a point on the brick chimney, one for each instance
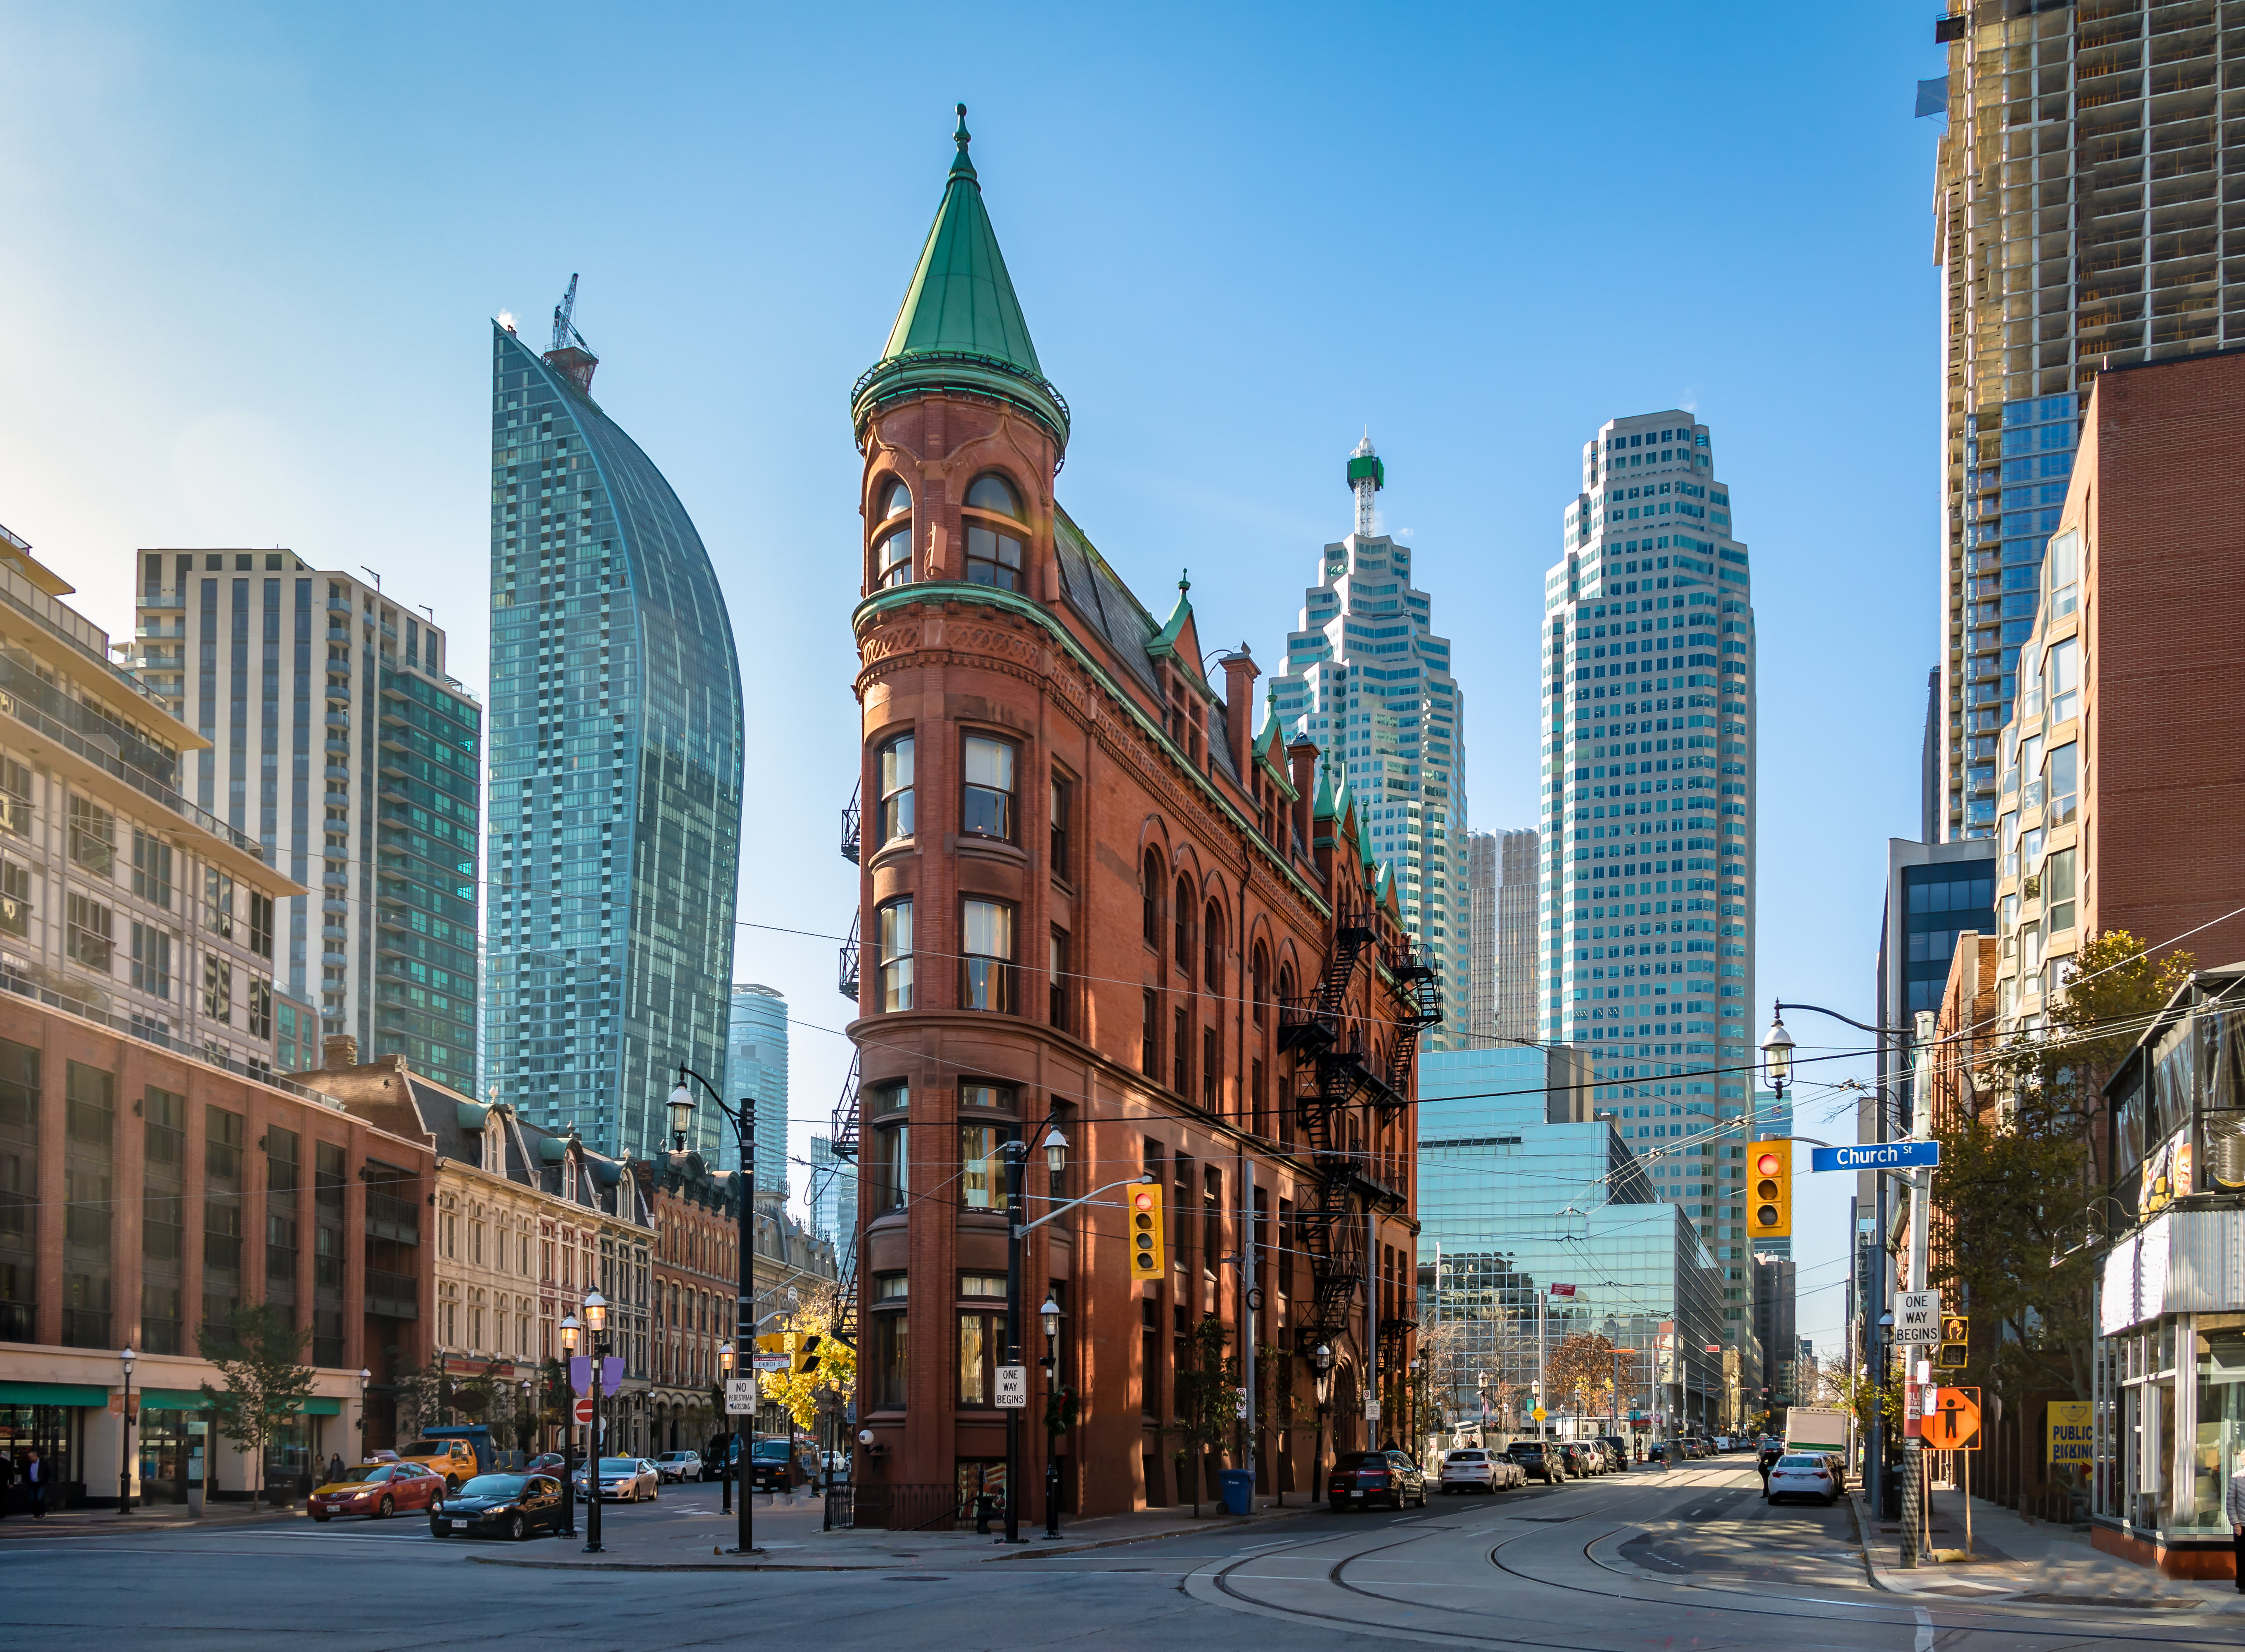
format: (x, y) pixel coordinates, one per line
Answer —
(1302, 760)
(1240, 672)
(339, 1051)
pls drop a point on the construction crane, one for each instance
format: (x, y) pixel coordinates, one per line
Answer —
(565, 327)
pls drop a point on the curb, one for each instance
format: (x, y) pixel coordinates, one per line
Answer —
(127, 1527)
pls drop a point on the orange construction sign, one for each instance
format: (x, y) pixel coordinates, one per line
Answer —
(1952, 1421)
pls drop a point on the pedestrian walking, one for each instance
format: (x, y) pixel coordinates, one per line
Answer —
(34, 1476)
(334, 1468)
(7, 1481)
(2234, 1509)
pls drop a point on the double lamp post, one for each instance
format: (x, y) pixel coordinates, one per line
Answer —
(742, 1118)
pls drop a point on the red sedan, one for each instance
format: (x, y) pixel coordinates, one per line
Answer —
(378, 1490)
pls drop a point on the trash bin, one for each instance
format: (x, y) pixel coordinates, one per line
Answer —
(1238, 1487)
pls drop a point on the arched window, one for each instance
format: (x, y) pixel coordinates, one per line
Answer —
(993, 550)
(897, 502)
(1285, 984)
(1211, 948)
(1184, 915)
(892, 554)
(1149, 892)
(1259, 980)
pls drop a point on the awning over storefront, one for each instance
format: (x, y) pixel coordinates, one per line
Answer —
(53, 1394)
(170, 1400)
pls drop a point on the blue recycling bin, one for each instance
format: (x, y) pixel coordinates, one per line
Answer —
(1237, 1486)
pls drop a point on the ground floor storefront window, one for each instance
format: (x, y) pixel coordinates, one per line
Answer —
(2171, 1416)
(57, 1434)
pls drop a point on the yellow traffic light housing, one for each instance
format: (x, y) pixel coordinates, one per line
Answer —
(1149, 1254)
(1769, 1189)
(803, 1356)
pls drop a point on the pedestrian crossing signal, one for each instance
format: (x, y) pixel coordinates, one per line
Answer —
(1148, 1257)
(1769, 1189)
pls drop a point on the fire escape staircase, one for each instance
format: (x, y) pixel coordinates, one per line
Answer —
(1331, 1071)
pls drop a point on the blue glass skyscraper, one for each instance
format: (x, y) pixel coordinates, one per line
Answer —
(615, 768)
(756, 1074)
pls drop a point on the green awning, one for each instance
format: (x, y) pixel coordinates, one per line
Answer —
(169, 1399)
(317, 1407)
(53, 1394)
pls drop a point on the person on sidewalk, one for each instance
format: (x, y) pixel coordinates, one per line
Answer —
(2233, 1509)
(35, 1475)
(7, 1480)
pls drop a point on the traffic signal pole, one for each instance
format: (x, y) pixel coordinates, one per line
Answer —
(1914, 1521)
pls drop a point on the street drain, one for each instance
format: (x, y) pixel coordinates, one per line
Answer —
(913, 1577)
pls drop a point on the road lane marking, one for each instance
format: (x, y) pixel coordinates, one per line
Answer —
(1924, 1630)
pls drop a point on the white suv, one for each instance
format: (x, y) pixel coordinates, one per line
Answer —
(1475, 1470)
(679, 1466)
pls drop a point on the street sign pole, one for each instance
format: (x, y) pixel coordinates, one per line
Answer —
(1921, 1200)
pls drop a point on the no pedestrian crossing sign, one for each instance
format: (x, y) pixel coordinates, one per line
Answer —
(1012, 1387)
(739, 1396)
(1917, 1316)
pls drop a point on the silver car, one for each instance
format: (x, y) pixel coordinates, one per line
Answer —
(624, 1480)
(679, 1466)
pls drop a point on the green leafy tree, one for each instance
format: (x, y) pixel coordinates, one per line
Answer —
(2018, 1179)
(266, 1384)
(1207, 1396)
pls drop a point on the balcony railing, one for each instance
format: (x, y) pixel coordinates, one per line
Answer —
(851, 826)
(394, 1295)
(32, 717)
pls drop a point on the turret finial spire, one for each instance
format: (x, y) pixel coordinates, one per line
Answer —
(965, 164)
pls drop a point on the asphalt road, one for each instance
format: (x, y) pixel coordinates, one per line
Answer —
(1684, 1558)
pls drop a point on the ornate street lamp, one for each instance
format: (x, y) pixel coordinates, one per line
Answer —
(742, 1118)
(596, 1325)
(1049, 1314)
(1321, 1364)
(725, 1469)
(125, 1441)
(1777, 1054)
(569, 1329)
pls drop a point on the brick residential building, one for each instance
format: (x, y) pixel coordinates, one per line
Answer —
(1093, 896)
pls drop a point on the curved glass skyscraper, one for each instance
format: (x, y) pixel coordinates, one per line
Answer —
(616, 770)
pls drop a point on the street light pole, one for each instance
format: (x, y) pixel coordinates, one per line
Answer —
(1017, 1154)
(596, 1324)
(569, 1329)
(1050, 1314)
(725, 1469)
(1321, 1363)
(743, 1121)
(125, 1441)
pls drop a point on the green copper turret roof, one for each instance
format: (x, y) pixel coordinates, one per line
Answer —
(1324, 806)
(961, 328)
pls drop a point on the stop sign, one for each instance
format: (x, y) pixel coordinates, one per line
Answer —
(585, 1409)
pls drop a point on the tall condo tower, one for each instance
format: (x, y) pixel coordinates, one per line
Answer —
(756, 1073)
(1369, 683)
(615, 793)
(1648, 717)
(1504, 870)
(338, 741)
(2077, 225)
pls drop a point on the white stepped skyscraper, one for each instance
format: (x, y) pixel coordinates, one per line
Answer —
(1648, 730)
(1368, 681)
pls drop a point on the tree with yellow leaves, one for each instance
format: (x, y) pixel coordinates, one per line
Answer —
(836, 1372)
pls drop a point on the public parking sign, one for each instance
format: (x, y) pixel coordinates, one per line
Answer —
(1877, 1156)
(1917, 1316)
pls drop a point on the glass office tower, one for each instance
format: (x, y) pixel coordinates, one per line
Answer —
(615, 777)
(755, 1075)
(1650, 729)
(341, 742)
(1520, 1189)
(1368, 681)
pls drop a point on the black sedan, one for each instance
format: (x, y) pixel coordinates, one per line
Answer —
(1361, 1478)
(510, 1506)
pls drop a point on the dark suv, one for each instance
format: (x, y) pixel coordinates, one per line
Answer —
(1539, 1460)
(1361, 1478)
(1617, 1451)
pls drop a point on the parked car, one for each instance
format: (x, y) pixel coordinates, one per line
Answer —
(679, 1466)
(623, 1479)
(776, 1466)
(1580, 1459)
(1767, 1458)
(1539, 1460)
(1802, 1474)
(377, 1491)
(1625, 1452)
(1475, 1470)
(1361, 1478)
(723, 1458)
(510, 1505)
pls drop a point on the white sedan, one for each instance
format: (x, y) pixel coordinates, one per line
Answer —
(624, 1480)
(1798, 1474)
(1476, 1470)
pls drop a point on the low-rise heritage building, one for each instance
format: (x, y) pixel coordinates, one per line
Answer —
(1095, 900)
(525, 1221)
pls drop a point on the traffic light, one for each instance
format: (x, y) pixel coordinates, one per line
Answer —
(1148, 1257)
(1769, 1189)
(804, 1355)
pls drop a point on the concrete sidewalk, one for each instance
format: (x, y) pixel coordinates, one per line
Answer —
(788, 1533)
(144, 1518)
(2023, 1560)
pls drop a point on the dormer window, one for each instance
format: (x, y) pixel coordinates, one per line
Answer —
(994, 555)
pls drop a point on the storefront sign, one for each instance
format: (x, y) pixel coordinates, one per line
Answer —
(2069, 1436)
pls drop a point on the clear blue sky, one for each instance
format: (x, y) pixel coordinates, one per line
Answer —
(252, 251)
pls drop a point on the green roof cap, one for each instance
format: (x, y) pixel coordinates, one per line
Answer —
(961, 328)
(1323, 808)
(1166, 644)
